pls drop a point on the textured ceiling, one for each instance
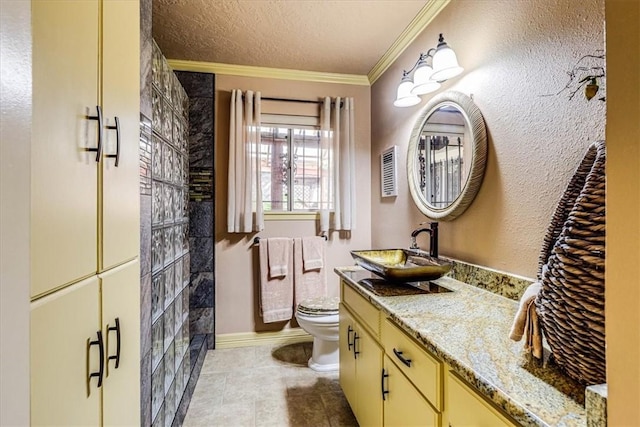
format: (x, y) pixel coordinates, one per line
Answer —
(337, 36)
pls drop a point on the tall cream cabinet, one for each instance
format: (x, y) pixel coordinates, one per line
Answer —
(85, 214)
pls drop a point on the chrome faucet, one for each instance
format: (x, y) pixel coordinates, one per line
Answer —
(433, 238)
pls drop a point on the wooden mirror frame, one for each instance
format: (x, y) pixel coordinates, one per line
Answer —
(477, 129)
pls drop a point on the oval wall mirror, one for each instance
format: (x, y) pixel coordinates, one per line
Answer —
(447, 156)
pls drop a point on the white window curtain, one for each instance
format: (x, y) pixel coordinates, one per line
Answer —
(338, 153)
(244, 207)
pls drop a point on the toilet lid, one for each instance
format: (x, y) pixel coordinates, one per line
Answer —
(321, 306)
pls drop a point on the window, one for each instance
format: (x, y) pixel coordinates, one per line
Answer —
(291, 167)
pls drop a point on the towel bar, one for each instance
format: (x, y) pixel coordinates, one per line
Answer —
(256, 240)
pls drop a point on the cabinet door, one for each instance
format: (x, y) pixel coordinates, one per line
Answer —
(121, 316)
(121, 98)
(467, 408)
(368, 370)
(347, 360)
(64, 208)
(403, 404)
(62, 325)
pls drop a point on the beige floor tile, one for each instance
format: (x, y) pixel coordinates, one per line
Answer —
(229, 359)
(306, 410)
(252, 384)
(338, 410)
(282, 355)
(209, 390)
(314, 383)
(272, 410)
(266, 386)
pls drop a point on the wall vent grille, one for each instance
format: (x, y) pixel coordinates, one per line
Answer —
(388, 172)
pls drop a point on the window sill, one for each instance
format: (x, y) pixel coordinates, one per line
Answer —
(290, 216)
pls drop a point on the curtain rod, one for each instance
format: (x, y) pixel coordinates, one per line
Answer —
(302, 101)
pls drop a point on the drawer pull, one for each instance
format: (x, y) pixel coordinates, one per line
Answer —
(349, 343)
(384, 392)
(117, 129)
(402, 358)
(355, 349)
(117, 355)
(100, 343)
(98, 149)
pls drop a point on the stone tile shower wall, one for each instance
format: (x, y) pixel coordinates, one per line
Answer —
(170, 260)
(200, 89)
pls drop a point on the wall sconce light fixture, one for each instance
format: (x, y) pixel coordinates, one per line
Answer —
(427, 78)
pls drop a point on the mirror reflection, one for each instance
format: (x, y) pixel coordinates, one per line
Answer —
(447, 156)
(443, 170)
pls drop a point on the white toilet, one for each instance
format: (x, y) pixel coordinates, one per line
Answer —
(320, 318)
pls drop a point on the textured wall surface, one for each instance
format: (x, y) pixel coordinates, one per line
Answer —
(513, 54)
(236, 262)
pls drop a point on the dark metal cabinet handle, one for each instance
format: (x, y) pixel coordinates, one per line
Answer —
(384, 392)
(110, 329)
(402, 358)
(117, 129)
(98, 149)
(349, 343)
(100, 374)
(355, 351)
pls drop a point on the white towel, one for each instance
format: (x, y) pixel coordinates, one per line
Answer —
(310, 283)
(276, 293)
(279, 251)
(313, 253)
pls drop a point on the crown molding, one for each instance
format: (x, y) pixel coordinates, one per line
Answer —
(270, 73)
(415, 27)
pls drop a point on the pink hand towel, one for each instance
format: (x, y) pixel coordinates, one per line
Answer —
(276, 293)
(309, 283)
(313, 252)
(279, 251)
(520, 320)
(526, 322)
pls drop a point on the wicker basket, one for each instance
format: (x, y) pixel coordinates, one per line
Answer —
(571, 269)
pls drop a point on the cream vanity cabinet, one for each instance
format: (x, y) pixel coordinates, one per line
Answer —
(413, 388)
(411, 379)
(360, 357)
(85, 214)
(467, 408)
(403, 403)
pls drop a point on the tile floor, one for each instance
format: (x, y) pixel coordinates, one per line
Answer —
(266, 386)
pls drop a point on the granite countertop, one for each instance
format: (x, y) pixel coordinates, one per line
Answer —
(469, 330)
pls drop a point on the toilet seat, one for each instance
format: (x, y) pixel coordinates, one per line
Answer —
(320, 306)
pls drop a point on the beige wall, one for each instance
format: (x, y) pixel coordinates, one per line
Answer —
(235, 258)
(513, 52)
(623, 212)
(15, 171)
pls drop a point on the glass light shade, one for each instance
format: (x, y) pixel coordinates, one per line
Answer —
(404, 97)
(445, 64)
(422, 82)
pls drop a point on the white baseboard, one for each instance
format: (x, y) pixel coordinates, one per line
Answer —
(248, 339)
